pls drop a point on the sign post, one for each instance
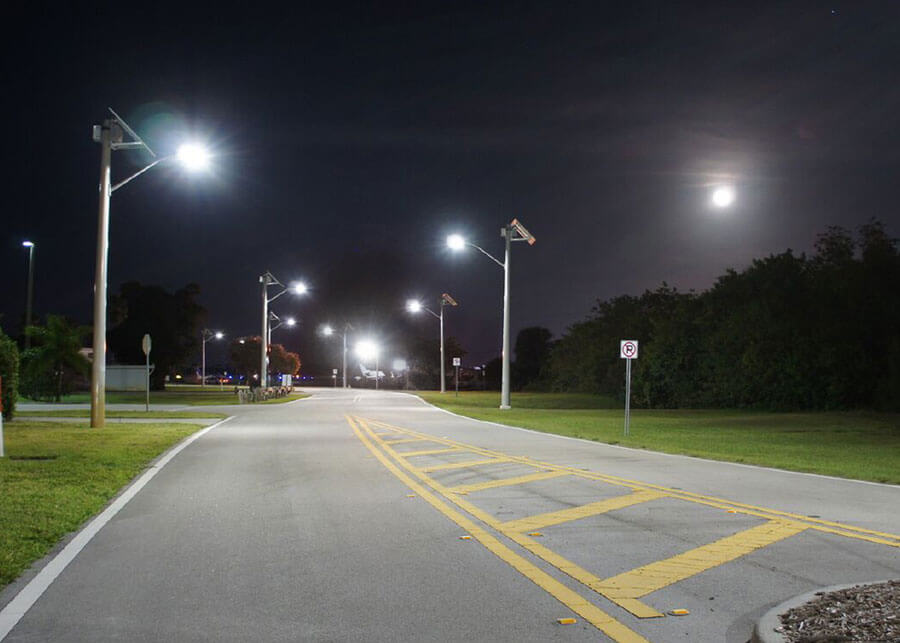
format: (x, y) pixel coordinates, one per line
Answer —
(334, 378)
(456, 363)
(146, 344)
(628, 350)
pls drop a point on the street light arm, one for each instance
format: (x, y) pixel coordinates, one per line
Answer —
(278, 295)
(139, 172)
(488, 254)
(436, 316)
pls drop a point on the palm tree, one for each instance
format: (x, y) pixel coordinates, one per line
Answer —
(56, 348)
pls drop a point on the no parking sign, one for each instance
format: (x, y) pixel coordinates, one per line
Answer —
(628, 349)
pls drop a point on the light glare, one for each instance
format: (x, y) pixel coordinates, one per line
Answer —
(290, 321)
(723, 196)
(456, 242)
(327, 330)
(413, 306)
(367, 349)
(300, 288)
(194, 157)
(28, 244)
(220, 335)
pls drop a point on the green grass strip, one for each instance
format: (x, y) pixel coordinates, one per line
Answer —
(151, 415)
(859, 445)
(56, 476)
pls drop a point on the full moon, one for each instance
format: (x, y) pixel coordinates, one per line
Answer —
(723, 196)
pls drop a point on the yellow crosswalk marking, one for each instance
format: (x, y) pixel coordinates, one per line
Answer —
(411, 454)
(405, 440)
(506, 482)
(575, 513)
(462, 465)
(649, 578)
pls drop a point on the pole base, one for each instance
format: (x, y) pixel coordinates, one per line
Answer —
(505, 407)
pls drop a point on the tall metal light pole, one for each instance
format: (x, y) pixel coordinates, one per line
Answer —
(415, 306)
(110, 135)
(513, 231)
(205, 335)
(29, 299)
(328, 331)
(266, 280)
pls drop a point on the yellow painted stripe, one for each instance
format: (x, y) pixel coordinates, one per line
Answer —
(506, 482)
(649, 578)
(578, 604)
(462, 465)
(840, 529)
(584, 511)
(411, 454)
(405, 440)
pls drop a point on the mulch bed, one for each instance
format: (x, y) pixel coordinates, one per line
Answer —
(869, 613)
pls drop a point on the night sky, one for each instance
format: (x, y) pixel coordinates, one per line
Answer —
(350, 140)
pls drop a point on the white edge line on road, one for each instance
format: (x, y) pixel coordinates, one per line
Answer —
(668, 455)
(28, 595)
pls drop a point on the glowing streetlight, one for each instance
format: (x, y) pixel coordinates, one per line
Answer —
(268, 279)
(111, 136)
(290, 322)
(723, 196)
(30, 294)
(193, 156)
(366, 349)
(415, 306)
(513, 231)
(206, 335)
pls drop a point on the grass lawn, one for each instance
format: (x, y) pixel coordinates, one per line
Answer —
(56, 476)
(152, 415)
(188, 396)
(860, 445)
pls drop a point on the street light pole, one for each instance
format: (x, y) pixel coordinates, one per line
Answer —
(414, 306)
(344, 365)
(504, 384)
(266, 280)
(98, 364)
(110, 136)
(513, 231)
(205, 335)
(30, 296)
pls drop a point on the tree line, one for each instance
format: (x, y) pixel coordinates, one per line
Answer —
(791, 331)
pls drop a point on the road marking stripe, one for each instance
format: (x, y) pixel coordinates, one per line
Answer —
(463, 465)
(505, 482)
(412, 454)
(649, 578)
(12, 613)
(840, 529)
(584, 511)
(405, 440)
(578, 604)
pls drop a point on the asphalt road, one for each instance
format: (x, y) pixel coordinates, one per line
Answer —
(356, 516)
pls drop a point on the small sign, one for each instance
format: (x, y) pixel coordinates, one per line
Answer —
(146, 343)
(456, 361)
(334, 372)
(628, 349)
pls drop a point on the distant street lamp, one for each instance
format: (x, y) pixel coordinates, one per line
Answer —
(30, 295)
(415, 306)
(723, 196)
(110, 135)
(268, 279)
(328, 331)
(366, 349)
(205, 335)
(290, 322)
(513, 231)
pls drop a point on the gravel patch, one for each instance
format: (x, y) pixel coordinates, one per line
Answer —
(869, 613)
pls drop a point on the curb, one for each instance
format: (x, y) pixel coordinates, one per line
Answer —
(764, 629)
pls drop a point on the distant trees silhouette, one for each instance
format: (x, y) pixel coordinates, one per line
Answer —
(788, 332)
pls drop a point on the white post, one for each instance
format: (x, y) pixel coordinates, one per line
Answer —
(98, 366)
(344, 365)
(627, 394)
(147, 382)
(504, 386)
